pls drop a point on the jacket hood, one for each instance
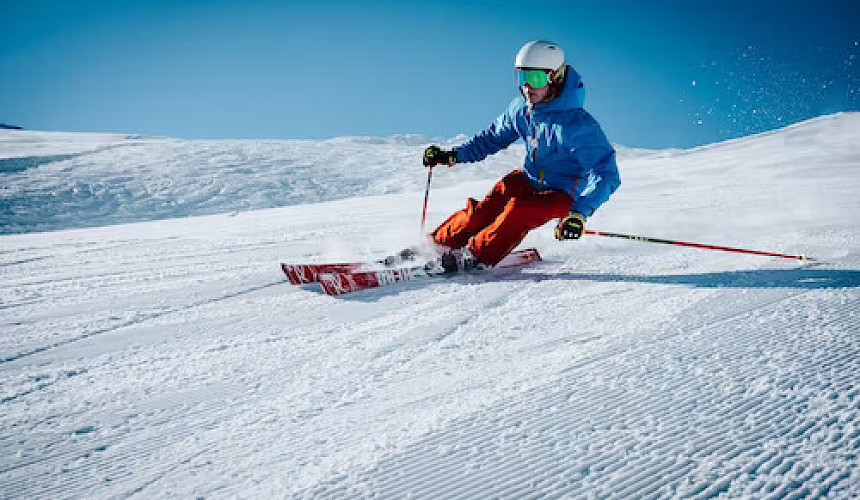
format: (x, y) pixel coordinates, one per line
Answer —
(572, 95)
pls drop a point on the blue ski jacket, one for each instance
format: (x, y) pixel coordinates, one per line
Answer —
(566, 148)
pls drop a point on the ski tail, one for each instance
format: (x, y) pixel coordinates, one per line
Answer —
(520, 258)
(342, 282)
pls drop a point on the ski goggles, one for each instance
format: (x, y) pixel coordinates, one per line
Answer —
(536, 78)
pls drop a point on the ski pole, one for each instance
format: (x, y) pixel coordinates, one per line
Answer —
(426, 195)
(697, 245)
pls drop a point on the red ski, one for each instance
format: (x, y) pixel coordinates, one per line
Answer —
(341, 282)
(300, 274)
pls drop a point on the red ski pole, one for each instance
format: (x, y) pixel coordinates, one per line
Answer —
(697, 245)
(426, 196)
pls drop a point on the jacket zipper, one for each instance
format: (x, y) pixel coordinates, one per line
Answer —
(535, 143)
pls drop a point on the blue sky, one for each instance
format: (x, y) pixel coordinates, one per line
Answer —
(658, 74)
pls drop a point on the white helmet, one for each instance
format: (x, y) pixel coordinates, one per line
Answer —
(540, 54)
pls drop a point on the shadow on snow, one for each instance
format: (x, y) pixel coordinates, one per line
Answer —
(760, 278)
(803, 278)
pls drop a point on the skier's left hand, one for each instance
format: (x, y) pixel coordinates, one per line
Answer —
(570, 227)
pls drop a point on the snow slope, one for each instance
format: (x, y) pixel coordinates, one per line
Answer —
(169, 358)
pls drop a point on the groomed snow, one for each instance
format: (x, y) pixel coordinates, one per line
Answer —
(170, 359)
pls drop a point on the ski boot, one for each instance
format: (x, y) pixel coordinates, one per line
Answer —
(460, 260)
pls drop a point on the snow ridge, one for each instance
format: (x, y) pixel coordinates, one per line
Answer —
(135, 179)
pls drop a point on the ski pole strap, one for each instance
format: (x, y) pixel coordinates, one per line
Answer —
(648, 239)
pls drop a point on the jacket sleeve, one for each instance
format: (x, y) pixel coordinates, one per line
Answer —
(604, 178)
(499, 135)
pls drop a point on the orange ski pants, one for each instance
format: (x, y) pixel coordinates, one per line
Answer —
(494, 226)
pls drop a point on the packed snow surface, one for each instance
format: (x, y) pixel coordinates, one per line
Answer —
(169, 358)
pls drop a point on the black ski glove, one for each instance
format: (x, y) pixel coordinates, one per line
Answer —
(434, 155)
(570, 227)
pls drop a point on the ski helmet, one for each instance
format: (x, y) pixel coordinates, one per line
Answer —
(546, 56)
(540, 54)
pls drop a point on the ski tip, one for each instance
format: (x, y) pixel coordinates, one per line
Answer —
(292, 276)
(328, 284)
(285, 268)
(336, 283)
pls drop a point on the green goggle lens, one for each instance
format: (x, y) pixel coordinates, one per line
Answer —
(536, 78)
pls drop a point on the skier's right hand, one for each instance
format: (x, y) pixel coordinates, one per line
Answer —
(434, 155)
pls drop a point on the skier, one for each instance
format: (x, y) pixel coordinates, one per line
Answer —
(569, 169)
